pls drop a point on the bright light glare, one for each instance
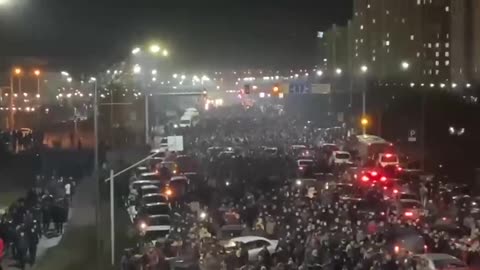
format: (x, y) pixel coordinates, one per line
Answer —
(364, 68)
(154, 72)
(69, 79)
(338, 71)
(405, 65)
(203, 215)
(136, 50)
(183, 77)
(137, 69)
(165, 53)
(319, 73)
(175, 75)
(64, 73)
(4, 2)
(154, 48)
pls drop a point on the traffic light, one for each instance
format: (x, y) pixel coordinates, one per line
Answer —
(246, 89)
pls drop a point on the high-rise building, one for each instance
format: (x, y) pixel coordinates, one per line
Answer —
(415, 41)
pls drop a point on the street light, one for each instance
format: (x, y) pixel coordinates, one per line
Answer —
(154, 48)
(364, 68)
(18, 71)
(154, 72)
(319, 73)
(405, 65)
(69, 79)
(364, 123)
(37, 73)
(165, 53)
(137, 69)
(136, 50)
(64, 73)
(338, 71)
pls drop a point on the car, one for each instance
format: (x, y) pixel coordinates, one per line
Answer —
(153, 198)
(149, 189)
(407, 196)
(151, 209)
(154, 227)
(253, 244)
(339, 158)
(150, 176)
(135, 185)
(305, 167)
(231, 231)
(387, 159)
(369, 177)
(437, 261)
(401, 239)
(270, 151)
(409, 209)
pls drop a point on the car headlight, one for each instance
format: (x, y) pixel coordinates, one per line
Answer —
(298, 182)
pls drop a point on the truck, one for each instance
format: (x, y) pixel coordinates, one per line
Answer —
(169, 143)
(366, 148)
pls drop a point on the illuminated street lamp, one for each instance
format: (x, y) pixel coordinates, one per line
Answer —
(364, 68)
(338, 71)
(175, 75)
(69, 79)
(137, 69)
(165, 53)
(37, 73)
(319, 73)
(364, 123)
(154, 48)
(405, 65)
(154, 72)
(18, 71)
(64, 73)
(136, 50)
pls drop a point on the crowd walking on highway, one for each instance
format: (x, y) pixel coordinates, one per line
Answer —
(258, 207)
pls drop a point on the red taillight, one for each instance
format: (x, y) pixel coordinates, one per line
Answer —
(408, 214)
(395, 191)
(425, 248)
(383, 178)
(399, 169)
(388, 155)
(396, 249)
(300, 168)
(365, 178)
(374, 173)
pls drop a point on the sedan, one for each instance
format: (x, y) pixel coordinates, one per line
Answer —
(254, 244)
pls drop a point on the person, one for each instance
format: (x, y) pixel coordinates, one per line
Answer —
(2, 251)
(22, 248)
(68, 190)
(32, 239)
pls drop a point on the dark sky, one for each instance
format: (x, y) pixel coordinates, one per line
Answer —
(88, 33)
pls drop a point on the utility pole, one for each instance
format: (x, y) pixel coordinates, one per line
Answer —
(147, 125)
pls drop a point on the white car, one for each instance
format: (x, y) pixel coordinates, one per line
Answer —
(437, 261)
(388, 159)
(254, 245)
(339, 157)
(155, 227)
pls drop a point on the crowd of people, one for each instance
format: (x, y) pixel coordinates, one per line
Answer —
(315, 230)
(42, 212)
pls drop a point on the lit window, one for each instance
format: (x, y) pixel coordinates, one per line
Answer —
(356, 55)
(374, 21)
(447, 63)
(373, 58)
(412, 37)
(447, 8)
(437, 71)
(448, 35)
(429, 45)
(361, 27)
(419, 2)
(403, 20)
(368, 6)
(356, 40)
(374, 51)
(437, 63)
(418, 54)
(438, 45)
(447, 45)
(387, 12)
(356, 13)
(430, 71)
(387, 43)
(388, 35)
(361, 40)
(447, 54)
(437, 54)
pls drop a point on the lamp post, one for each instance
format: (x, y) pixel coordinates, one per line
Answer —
(364, 70)
(18, 73)
(37, 74)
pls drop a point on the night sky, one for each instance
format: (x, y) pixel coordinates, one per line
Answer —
(200, 34)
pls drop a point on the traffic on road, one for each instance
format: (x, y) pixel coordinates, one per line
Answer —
(253, 190)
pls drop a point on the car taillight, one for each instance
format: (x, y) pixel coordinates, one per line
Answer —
(425, 248)
(395, 191)
(388, 155)
(374, 173)
(365, 178)
(396, 249)
(383, 178)
(399, 169)
(300, 168)
(408, 214)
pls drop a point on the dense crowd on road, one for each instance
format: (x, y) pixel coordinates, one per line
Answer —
(42, 212)
(256, 206)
